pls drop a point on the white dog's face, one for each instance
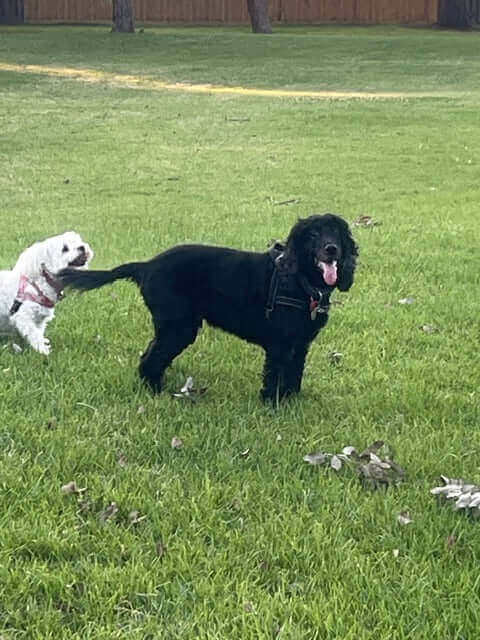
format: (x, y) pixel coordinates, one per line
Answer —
(66, 250)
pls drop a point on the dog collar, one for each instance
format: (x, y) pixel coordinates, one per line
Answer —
(53, 282)
(315, 296)
(38, 296)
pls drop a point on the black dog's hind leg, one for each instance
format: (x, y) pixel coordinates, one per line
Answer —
(168, 343)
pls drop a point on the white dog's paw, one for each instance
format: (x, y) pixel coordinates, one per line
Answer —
(45, 349)
(42, 345)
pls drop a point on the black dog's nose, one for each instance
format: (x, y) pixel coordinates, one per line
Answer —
(331, 250)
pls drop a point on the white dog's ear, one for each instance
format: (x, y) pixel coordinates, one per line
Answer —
(30, 260)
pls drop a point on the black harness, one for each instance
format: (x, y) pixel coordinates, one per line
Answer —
(317, 301)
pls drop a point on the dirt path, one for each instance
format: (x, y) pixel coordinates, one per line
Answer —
(146, 82)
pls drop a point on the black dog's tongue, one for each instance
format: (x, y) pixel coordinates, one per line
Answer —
(329, 272)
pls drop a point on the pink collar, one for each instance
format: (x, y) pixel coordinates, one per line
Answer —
(38, 296)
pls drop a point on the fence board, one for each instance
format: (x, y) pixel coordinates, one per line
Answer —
(235, 11)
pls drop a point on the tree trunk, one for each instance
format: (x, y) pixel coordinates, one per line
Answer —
(12, 12)
(258, 12)
(123, 16)
(455, 14)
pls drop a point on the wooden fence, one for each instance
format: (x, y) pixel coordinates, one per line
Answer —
(235, 11)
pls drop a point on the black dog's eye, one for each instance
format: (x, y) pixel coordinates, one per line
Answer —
(65, 248)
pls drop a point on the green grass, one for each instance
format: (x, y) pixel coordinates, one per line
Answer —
(258, 546)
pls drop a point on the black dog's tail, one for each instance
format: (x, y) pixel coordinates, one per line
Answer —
(86, 280)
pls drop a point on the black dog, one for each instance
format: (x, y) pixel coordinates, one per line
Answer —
(278, 299)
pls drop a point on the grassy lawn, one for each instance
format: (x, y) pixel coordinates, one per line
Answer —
(234, 546)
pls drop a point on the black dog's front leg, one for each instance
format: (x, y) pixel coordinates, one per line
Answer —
(283, 371)
(294, 371)
(277, 361)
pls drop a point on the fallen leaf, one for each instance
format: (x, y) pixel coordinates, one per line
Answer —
(71, 487)
(188, 386)
(335, 356)
(122, 459)
(141, 409)
(375, 446)
(451, 541)
(403, 518)
(177, 443)
(373, 470)
(188, 391)
(336, 463)
(108, 513)
(365, 221)
(135, 517)
(396, 553)
(316, 458)
(428, 328)
(245, 453)
(52, 423)
(408, 300)
(465, 495)
(160, 549)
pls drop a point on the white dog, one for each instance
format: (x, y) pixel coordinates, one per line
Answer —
(30, 291)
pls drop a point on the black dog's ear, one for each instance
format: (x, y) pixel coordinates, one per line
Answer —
(350, 253)
(288, 261)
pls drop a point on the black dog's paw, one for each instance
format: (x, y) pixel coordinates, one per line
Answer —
(154, 385)
(274, 397)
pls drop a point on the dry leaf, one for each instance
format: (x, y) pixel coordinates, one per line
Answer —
(373, 470)
(109, 513)
(316, 458)
(375, 446)
(408, 300)
(177, 443)
(349, 450)
(160, 549)
(336, 463)
(141, 409)
(403, 518)
(135, 517)
(396, 553)
(188, 391)
(245, 453)
(335, 357)
(71, 487)
(122, 459)
(451, 541)
(428, 328)
(466, 495)
(365, 221)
